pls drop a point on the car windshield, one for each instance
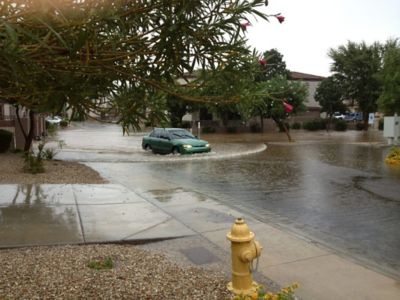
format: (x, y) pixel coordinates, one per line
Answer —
(181, 134)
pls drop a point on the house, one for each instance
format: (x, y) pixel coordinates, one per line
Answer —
(313, 108)
(8, 121)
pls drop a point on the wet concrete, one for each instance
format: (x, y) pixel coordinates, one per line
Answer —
(74, 214)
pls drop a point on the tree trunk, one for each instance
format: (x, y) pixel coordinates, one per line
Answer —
(365, 121)
(262, 122)
(287, 132)
(28, 137)
(280, 123)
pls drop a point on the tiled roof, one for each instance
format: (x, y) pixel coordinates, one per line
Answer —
(305, 77)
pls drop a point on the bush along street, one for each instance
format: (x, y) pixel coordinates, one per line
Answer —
(393, 158)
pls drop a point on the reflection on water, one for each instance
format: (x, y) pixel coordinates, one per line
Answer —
(27, 218)
(308, 188)
(177, 195)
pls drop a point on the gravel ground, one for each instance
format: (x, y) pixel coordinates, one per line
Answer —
(11, 166)
(62, 273)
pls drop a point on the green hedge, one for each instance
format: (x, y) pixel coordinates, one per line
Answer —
(208, 130)
(5, 140)
(317, 124)
(231, 129)
(296, 125)
(340, 125)
(360, 126)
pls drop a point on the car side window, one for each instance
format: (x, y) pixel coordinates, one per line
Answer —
(154, 134)
(164, 135)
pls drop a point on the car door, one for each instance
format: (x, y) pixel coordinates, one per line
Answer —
(155, 140)
(165, 141)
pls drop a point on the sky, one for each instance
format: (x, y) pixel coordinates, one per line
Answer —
(312, 27)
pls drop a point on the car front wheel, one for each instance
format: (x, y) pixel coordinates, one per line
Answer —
(175, 151)
(147, 147)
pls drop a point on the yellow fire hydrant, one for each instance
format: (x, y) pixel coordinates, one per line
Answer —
(244, 250)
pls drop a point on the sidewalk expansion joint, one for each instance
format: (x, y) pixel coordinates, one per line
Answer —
(300, 260)
(80, 218)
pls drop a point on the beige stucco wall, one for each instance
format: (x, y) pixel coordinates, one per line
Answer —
(312, 87)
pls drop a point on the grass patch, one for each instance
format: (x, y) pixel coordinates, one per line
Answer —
(103, 263)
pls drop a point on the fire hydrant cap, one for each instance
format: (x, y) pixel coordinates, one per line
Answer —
(240, 232)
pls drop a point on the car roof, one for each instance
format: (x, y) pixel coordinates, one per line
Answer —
(168, 129)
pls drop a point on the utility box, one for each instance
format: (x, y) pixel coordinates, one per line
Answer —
(391, 128)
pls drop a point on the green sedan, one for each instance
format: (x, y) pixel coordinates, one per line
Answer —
(174, 140)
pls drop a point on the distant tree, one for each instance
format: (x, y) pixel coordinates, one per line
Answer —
(271, 65)
(357, 67)
(329, 96)
(389, 100)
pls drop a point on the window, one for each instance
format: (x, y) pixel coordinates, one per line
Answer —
(164, 135)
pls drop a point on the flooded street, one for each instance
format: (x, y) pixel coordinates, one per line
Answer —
(318, 191)
(331, 188)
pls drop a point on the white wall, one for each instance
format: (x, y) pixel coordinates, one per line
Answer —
(312, 87)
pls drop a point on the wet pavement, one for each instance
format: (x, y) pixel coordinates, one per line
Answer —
(77, 214)
(328, 189)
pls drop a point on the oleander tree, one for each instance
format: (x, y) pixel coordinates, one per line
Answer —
(125, 56)
(277, 96)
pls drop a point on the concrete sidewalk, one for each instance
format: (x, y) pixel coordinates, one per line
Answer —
(60, 214)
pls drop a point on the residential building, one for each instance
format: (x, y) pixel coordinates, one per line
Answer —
(8, 121)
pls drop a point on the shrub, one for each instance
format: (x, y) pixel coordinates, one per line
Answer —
(33, 163)
(393, 158)
(208, 130)
(49, 153)
(64, 123)
(255, 127)
(296, 125)
(281, 128)
(340, 125)
(316, 124)
(231, 129)
(286, 293)
(323, 123)
(360, 126)
(5, 140)
(51, 129)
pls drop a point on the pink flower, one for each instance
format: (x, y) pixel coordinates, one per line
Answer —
(280, 18)
(288, 107)
(262, 61)
(245, 25)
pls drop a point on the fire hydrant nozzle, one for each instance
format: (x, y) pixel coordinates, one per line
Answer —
(244, 250)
